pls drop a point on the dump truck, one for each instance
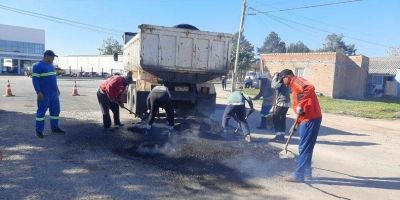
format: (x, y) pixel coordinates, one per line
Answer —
(182, 58)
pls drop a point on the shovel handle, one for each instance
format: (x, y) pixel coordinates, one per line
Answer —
(130, 111)
(291, 131)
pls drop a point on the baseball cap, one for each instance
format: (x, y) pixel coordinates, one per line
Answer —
(284, 73)
(49, 53)
(128, 77)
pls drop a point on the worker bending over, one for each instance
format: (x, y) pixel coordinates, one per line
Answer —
(236, 108)
(110, 96)
(160, 97)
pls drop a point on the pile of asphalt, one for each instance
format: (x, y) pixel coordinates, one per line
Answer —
(199, 146)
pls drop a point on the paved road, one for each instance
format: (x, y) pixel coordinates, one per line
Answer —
(355, 158)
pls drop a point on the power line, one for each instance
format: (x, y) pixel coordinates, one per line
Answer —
(263, 3)
(315, 28)
(63, 21)
(321, 22)
(310, 6)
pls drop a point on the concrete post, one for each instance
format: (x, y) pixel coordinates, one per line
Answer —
(19, 66)
(1, 65)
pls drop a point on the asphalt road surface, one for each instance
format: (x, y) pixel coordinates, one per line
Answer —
(355, 158)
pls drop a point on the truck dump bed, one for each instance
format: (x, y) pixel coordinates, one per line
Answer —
(178, 55)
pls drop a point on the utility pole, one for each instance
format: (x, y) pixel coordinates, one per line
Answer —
(234, 75)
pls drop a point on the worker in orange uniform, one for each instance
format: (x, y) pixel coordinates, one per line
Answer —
(306, 105)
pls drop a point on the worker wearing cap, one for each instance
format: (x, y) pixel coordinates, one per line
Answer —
(266, 93)
(110, 96)
(306, 105)
(236, 108)
(280, 107)
(44, 79)
(160, 97)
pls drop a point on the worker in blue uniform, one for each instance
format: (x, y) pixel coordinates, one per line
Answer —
(44, 80)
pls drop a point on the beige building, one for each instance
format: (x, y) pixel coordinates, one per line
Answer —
(333, 74)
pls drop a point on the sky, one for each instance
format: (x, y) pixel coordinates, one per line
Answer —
(372, 25)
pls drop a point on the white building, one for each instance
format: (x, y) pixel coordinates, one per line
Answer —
(20, 47)
(89, 63)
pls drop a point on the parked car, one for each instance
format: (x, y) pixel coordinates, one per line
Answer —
(251, 79)
(59, 71)
(94, 74)
(105, 74)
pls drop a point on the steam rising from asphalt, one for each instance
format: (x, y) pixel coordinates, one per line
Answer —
(166, 149)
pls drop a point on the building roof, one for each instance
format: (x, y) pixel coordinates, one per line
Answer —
(384, 65)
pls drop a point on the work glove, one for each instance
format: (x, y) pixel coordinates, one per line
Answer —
(299, 110)
(121, 105)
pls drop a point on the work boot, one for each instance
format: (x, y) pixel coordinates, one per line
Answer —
(58, 130)
(39, 135)
(278, 138)
(119, 125)
(248, 138)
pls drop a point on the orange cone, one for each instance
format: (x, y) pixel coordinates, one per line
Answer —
(75, 90)
(8, 90)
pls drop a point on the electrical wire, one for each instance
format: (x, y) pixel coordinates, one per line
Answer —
(311, 6)
(315, 28)
(63, 21)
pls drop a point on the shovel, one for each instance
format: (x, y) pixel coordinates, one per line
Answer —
(284, 153)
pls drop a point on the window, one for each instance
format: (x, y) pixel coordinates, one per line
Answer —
(21, 47)
(376, 80)
(299, 72)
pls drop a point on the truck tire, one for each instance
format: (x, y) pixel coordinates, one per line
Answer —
(186, 26)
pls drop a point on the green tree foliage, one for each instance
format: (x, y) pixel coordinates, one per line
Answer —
(394, 51)
(246, 53)
(298, 47)
(273, 44)
(335, 43)
(110, 46)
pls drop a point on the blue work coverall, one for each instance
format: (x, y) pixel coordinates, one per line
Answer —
(44, 80)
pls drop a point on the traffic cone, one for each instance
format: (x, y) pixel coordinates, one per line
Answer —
(75, 90)
(8, 90)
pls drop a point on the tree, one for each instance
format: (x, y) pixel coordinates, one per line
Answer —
(394, 51)
(273, 44)
(246, 53)
(110, 46)
(298, 47)
(335, 43)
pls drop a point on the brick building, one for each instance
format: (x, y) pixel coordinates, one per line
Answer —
(384, 77)
(333, 74)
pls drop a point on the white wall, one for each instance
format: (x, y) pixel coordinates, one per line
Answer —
(21, 34)
(98, 62)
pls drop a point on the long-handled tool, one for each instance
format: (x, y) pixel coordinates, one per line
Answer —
(130, 111)
(284, 153)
